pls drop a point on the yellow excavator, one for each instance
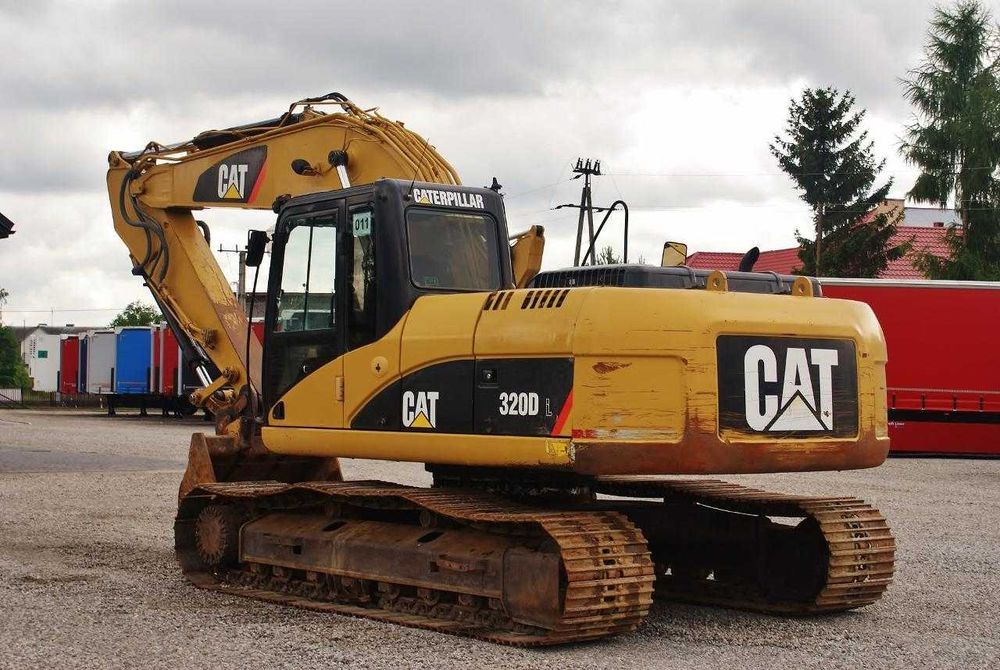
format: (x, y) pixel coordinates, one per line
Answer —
(404, 323)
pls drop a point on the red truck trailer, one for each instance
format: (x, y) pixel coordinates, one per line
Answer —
(943, 375)
(69, 364)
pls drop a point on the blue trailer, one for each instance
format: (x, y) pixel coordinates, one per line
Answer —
(133, 360)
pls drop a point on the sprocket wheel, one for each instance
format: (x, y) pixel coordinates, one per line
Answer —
(217, 535)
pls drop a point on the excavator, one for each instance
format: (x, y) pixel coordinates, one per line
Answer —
(564, 416)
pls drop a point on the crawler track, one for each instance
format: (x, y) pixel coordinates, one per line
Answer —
(703, 541)
(838, 556)
(606, 572)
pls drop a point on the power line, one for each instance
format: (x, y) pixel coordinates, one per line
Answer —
(82, 309)
(728, 175)
(789, 208)
(536, 190)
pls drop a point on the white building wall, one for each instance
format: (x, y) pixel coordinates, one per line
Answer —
(41, 353)
(926, 217)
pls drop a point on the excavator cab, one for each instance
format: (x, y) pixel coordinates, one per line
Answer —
(347, 265)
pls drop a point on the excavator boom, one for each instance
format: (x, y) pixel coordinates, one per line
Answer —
(155, 191)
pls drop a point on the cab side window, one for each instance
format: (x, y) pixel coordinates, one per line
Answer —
(306, 299)
(361, 302)
(305, 335)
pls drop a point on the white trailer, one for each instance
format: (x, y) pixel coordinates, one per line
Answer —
(100, 361)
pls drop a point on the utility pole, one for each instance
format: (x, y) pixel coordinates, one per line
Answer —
(241, 285)
(586, 170)
(592, 168)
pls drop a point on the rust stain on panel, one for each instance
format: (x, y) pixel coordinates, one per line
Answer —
(604, 367)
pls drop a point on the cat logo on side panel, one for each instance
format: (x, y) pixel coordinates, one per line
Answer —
(420, 409)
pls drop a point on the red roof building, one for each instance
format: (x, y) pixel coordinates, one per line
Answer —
(786, 261)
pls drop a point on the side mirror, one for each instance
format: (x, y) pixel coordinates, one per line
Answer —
(674, 254)
(256, 245)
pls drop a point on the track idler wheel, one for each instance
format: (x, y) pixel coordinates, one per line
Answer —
(217, 535)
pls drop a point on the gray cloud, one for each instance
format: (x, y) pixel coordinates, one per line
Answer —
(212, 63)
(78, 55)
(512, 89)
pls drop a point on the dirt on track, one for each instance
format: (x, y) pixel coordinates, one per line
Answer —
(88, 578)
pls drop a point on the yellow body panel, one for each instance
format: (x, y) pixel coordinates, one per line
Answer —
(645, 388)
(422, 447)
(370, 368)
(653, 389)
(519, 329)
(316, 400)
(440, 328)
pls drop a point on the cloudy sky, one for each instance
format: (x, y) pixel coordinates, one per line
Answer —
(678, 99)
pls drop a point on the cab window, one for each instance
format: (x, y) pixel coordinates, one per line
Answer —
(361, 301)
(305, 301)
(304, 335)
(453, 250)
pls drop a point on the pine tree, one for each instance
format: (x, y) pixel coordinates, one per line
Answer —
(832, 162)
(955, 137)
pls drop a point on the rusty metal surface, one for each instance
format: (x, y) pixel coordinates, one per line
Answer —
(842, 545)
(223, 458)
(701, 452)
(605, 587)
(457, 559)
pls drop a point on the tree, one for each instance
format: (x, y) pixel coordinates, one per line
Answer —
(137, 314)
(954, 137)
(834, 166)
(13, 371)
(607, 256)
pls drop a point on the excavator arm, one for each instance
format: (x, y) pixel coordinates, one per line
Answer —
(154, 193)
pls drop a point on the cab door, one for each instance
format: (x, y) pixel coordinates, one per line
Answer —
(303, 368)
(371, 364)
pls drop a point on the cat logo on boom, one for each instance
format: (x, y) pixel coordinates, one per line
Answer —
(420, 409)
(234, 179)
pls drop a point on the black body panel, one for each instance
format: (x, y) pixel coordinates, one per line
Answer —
(787, 386)
(508, 396)
(651, 276)
(521, 396)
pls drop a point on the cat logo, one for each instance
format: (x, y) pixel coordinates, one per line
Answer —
(236, 178)
(792, 386)
(799, 406)
(420, 409)
(232, 181)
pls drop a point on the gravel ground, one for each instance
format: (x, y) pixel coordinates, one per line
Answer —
(88, 580)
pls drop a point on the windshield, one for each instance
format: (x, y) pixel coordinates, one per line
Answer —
(453, 250)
